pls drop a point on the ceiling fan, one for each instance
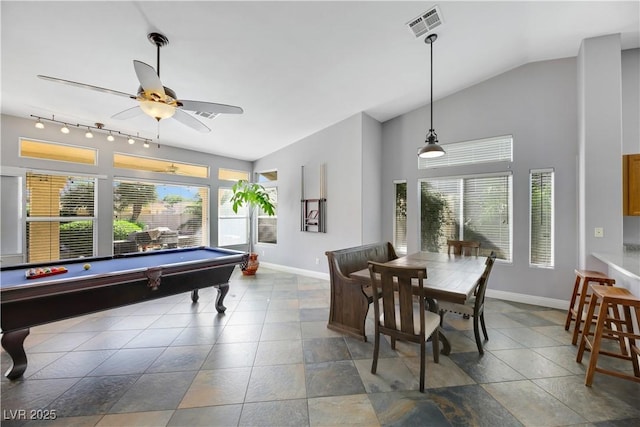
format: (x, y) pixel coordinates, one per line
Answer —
(156, 100)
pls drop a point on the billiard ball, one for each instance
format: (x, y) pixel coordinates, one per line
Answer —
(87, 266)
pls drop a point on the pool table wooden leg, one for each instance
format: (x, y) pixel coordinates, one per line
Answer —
(194, 295)
(222, 292)
(13, 343)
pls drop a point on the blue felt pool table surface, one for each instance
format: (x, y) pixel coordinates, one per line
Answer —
(16, 277)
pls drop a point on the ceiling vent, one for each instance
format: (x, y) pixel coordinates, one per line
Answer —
(206, 114)
(425, 22)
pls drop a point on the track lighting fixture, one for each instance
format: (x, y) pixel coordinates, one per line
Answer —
(90, 130)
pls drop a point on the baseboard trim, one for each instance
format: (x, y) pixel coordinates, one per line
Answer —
(528, 299)
(503, 295)
(300, 271)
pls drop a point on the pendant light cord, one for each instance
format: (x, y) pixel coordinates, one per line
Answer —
(431, 106)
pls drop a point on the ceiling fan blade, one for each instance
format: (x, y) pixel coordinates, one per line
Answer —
(190, 121)
(210, 107)
(148, 77)
(128, 113)
(86, 86)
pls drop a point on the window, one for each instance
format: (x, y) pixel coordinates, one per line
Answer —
(495, 149)
(60, 217)
(232, 227)
(268, 225)
(128, 161)
(159, 215)
(467, 208)
(232, 175)
(541, 218)
(60, 152)
(400, 217)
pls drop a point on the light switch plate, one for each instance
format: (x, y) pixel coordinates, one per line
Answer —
(598, 232)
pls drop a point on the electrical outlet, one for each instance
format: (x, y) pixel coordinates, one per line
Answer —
(598, 232)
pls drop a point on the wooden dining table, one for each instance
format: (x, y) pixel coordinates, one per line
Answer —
(449, 278)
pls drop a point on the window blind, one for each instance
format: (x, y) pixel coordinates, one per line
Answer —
(268, 225)
(232, 227)
(486, 150)
(467, 208)
(541, 236)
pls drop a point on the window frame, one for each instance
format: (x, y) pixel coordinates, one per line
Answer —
(399, 248)
(206, 214)
(59, 219)
(508, 174)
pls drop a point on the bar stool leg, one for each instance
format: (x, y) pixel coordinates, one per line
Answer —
(576, 286)
(597, 337)
(584, 341)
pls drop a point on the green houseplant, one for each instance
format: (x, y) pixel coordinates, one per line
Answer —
(252, 195)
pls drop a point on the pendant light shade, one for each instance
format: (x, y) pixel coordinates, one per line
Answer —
(431, 148)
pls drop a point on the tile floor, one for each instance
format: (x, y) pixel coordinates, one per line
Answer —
(270, 360)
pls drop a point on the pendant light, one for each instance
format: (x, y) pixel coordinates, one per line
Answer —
(431, 148)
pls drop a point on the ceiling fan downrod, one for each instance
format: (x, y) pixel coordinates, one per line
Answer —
(158, 40)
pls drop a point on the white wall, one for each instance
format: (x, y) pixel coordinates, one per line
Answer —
(340, 147)
(371, 179)
(13, 128)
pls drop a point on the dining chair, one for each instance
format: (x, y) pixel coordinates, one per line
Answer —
(474, 306)
(401, 312)
(463, 247)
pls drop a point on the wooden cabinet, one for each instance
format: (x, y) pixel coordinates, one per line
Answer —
(631, 184)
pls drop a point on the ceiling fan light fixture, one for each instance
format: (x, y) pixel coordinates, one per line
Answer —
(39, 124)
(158, 110)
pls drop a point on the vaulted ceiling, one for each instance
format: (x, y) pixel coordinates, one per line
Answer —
(294, 67)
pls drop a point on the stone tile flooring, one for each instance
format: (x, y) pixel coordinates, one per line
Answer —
(270, 360)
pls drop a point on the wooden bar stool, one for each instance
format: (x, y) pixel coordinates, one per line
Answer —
(580, 298)
(615, 321)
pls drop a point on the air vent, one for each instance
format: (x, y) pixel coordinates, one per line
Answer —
(206, 114)
(425, 22)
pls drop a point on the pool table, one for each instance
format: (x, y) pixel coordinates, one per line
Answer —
(109, 282)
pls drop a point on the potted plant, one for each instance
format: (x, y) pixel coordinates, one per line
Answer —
(252, 195)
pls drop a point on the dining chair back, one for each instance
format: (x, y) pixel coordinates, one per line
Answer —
(463, 247)
(401, 311)
(474, 306)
